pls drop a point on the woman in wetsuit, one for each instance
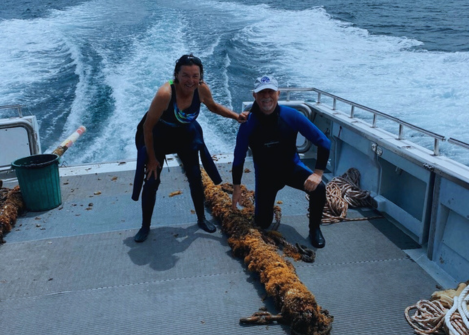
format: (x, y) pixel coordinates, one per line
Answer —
(171, 127)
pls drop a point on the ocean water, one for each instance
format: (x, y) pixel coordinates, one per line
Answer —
(99, 63)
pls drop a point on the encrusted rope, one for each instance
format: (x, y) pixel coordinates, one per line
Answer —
(446, 313)
(11, 205)
(297, 252)
(297, 305)
(342, 192)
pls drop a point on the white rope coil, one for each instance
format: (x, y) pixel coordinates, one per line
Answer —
(437, 317)
(460, 325)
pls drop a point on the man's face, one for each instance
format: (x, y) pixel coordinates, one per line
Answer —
(267, 100)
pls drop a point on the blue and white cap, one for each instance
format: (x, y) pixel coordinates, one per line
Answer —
(265, 82)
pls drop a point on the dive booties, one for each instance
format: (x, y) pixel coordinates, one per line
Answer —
(206, 225)
(317, 239)
(142, 234)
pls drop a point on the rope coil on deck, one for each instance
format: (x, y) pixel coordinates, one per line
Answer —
(446, 313)
(342, 192)
(298, 306)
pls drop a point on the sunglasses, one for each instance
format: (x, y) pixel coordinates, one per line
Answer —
(189, 60)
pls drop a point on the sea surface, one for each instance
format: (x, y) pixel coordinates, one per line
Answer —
(98, 63)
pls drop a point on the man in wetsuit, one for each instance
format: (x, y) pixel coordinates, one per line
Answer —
(271, 132)
(170, 126)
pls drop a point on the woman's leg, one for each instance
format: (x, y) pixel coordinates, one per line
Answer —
(190, 161)
(148, 202)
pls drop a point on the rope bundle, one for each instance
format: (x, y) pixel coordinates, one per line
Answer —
(342, 192)
(446, 313)
(297, 304)
(11, 204)
(457, 322)
(298, 252)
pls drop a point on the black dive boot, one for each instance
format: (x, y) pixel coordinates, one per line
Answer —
(317, 200)
(142, 234)
(148, 203)
(317, 239)
(206, 225)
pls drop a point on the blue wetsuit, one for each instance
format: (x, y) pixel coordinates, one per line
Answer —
(272, 139)
(176, 132)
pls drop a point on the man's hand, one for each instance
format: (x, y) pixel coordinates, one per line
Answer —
(313, 181)
(236, 197)
(152, 168)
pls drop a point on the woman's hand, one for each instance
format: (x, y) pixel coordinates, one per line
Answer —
(152, 168)
(243, 117)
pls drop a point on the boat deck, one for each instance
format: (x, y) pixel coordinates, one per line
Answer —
(76, 269)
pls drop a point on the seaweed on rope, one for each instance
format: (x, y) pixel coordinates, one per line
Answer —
(11, 205)
(297, 305)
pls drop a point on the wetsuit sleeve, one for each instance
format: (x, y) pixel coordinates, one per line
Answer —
(242, 142)
(322, 158)
(308, 129)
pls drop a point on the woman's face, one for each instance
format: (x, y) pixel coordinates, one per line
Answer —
(189, 77)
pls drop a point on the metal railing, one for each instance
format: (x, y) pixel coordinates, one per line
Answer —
(457, 142)
(402, 124)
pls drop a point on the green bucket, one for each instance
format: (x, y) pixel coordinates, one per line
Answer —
(38, 177)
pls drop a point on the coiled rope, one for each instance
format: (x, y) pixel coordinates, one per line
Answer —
(342, 192)
(447, 314)
(459, 304)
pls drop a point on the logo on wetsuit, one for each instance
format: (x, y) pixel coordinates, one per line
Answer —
(271, 144)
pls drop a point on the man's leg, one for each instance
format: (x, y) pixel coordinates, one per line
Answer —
(317, 200)
(190, 161)
(265, 194)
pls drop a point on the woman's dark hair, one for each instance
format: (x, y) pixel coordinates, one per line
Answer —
(188, 60)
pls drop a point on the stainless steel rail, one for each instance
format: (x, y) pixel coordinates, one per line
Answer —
(457, 142)
(402, 124)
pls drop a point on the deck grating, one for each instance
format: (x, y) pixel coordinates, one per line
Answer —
(63, 273)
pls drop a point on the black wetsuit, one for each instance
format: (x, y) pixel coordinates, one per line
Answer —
(272, 139)
(176, 132)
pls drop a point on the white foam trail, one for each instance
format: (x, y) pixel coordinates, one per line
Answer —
(216, 127)
(81, 26)
(303, 48)
(35, 56)
(134, 82)
(30, 53)
(309, 49)
(208, 52)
